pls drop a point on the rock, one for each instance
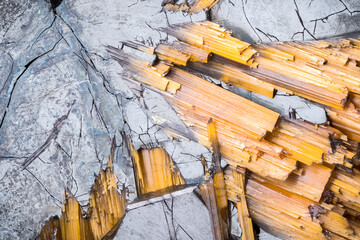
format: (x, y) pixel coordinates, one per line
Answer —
(51, 65)
(271, 21)
(235, 225)
(167, 217)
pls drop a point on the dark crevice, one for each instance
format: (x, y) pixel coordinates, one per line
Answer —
(324, 19)
(11, 157)
(248, 21)
(21, 74)
(268, 35)
(98, 112)
(53, 135)
(57, 200)
(302, 24)
(133, 4)
(90, 62)
(76, 184)
(97, 156)
(62, 149)
(55, 4)
(167, 221)
(185, 231)
(80, 132)
(171, 209)
(47, 28)
(10, 72)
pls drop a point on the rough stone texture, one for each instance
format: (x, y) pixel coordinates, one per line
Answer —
(234, 220)
(266, 236)
(56, 65)
(277, 20)
(173, 216)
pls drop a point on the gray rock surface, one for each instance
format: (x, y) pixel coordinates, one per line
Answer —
(53, 66)
(179, 215)
(285, 20)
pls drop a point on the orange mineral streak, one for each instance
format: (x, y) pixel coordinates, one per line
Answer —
(170, 55)
(51, 229)
(208, 194)
(218, 68)
(107, 206)
(192, 6)
(322, 71)
(347, 120)
(151, 75)
(226, 105)
(292, 188)
(300, 71)
(219, 182)
(72, 223)
(181, 53)
(346, 189)
(303, 142)
(331, 66)
(286, 214)
(104, 217)
(184, 7)
(213, 38)
(301, 183)
(154, 170)
(200, 5)
(277, 211)
(248, 134)
(241, 124)
(197, 94)
(106, 209)
(243, 211)
(310, 183)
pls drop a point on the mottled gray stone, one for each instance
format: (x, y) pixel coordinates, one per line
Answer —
(266, 236)
(234, 220)
(277, 20)
(179, 215)
(187, 156)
